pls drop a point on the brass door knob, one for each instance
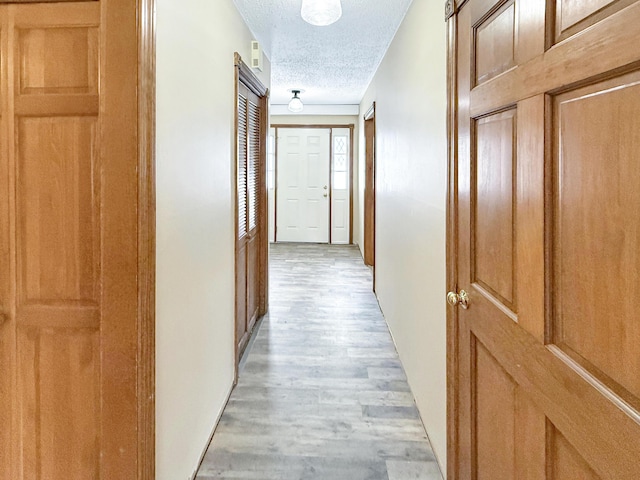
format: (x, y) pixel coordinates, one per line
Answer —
(454, 299)
(325, 195)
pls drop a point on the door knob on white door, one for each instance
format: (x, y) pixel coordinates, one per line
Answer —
(325, 195)
(454, 299)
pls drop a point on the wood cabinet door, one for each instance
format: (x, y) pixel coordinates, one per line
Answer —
(251, 237)
(71, 272)
(544, 238)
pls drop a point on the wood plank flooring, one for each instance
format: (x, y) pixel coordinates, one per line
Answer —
(321, 393)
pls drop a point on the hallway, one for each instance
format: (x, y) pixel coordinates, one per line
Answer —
(322, 393)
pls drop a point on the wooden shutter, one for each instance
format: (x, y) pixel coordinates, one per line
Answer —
(242, 165)
(254, 165)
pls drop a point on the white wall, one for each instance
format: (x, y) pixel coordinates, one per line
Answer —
(196, 40)
(410, 93)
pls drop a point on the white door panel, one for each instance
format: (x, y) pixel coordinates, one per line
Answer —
(302, 185)
(271, 183)
(340, 186)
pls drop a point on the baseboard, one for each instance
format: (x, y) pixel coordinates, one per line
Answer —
(213, 431)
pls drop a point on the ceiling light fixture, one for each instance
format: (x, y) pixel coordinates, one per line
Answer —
(321, 12)
(295, 104)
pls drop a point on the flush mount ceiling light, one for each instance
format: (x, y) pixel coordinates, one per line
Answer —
(295, 104)
(321, 12)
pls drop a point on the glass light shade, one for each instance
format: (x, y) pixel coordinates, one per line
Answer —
(295, 104)
(321, 12)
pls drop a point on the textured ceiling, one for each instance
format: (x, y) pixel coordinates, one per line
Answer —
(333, 64)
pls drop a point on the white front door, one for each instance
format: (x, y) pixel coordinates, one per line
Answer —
(303, 185)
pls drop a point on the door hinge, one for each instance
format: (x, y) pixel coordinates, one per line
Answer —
(449, 9)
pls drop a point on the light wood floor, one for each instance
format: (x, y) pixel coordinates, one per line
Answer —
(322, 393)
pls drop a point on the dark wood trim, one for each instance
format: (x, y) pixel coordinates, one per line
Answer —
(369, 247)
(451, 254)
(250, 80)
(146, 238)
(245, 76)
(127, 129)
(263, 304)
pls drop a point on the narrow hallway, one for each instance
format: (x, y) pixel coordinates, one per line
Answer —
(322, 393)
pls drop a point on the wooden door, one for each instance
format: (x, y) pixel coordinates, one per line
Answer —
(545, 180)
(370, 188)
(251, 240)
(303, 183)
(76, 269)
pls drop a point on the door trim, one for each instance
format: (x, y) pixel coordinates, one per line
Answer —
(127, 111)
(146, 238)
(369, 248)
(452, 242)
(244, 75)
(351, 128)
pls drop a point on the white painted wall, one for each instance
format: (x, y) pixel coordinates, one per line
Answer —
(196, 40)
(410, 93)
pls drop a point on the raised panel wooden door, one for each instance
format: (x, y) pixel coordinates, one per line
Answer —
(545, 361)
(303, 185)
(68, 253)
(51, 241)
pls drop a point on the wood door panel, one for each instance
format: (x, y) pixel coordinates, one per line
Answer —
(494, 418)
(253, 282)
(509, 429)
(565, 461)
(573, 16)
(495, 40)
(562, 363)
(530, 215)
(57, 191)
(597, 183)
(493, 216)
(241, 294)
(566, 396)
(76, 240)
(60, 397)
(58, 60)
(609, 45)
